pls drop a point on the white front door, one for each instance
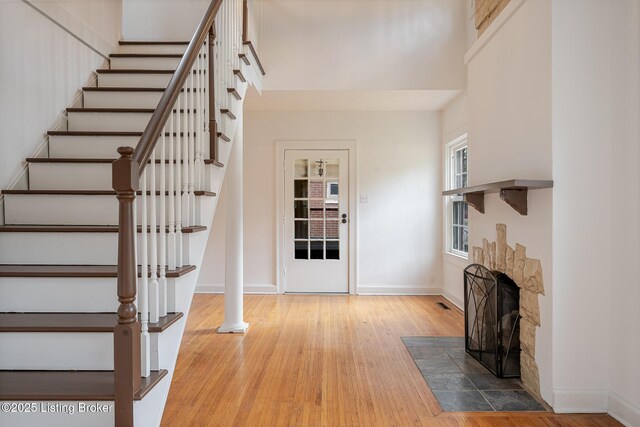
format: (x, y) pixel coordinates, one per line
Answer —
(316, 221)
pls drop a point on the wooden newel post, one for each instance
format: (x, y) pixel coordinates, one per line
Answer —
(126, 337)
(213, 126)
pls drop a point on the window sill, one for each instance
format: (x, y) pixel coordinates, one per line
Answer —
(455, 259)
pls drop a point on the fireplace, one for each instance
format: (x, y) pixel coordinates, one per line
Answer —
(492, 320)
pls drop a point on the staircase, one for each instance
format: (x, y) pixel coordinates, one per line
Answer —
(67, 246)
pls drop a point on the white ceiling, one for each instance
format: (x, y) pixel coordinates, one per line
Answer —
(380, 100)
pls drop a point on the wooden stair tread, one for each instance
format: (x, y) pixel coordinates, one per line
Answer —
(67, 385)
(27, 270)
(93, 192)
(86, 160)
(138, 71)
(224, 137)
(128, 89)
(232, 91)
(122, 110)
(73, 322)
(152, 43)
(255, 55)
(146, 55)
(100, 133)
(79, 229)
(240, 75)
(228, 112)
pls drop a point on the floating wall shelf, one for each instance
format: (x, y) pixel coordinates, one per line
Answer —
(513, 191)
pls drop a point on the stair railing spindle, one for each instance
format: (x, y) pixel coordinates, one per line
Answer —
(178, 173)
(185, 160)
(192, 148)
(143, 289)
(171, 238)
(162, 245)
(211, 91)
(153, 241)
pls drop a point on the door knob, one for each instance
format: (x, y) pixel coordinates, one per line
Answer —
(344, 218)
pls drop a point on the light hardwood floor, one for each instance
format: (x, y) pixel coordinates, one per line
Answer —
(310, 360)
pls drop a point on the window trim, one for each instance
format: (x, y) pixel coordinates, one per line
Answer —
(450, 149)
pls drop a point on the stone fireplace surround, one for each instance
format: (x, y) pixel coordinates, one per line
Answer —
(527, 274)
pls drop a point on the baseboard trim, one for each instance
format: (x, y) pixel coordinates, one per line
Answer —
(218, 288)
(453, 299)
(397, 290)
(580, 400)
(623, 410)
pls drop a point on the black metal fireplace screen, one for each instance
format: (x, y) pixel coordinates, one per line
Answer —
(492, 320)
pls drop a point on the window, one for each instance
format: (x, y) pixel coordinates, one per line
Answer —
(456, 209)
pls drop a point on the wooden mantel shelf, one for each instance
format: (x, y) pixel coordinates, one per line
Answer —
(513, 191)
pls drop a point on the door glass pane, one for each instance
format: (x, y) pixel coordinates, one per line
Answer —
(317, 250)
(316, 189)
(317, 231)
(332, 168)
(300, 209)
(333, 250)
(333, 230)
(300, 188)
(301, 168)
(302, 249)
(317, 217)
(301, 230)
(316, 208)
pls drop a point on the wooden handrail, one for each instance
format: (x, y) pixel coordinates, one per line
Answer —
(165, 107)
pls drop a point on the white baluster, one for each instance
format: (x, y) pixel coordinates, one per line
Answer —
(202, 119)
(171, 244)
(162, 246)
(197, 184)
(185, 160)
(178, 173)
(143, 289)
(192, 149)
(153, 241)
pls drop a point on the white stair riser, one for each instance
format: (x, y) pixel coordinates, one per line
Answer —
(133, 79)
(65, 248)
(84, 176)
(82, 351)
(152, 49)
(119, 63)
(98, 147)
(121, 99)
(62, 209)
(42, 294)
(64, 351)
(89, 147)
(121, 122)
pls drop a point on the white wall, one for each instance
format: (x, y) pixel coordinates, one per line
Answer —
(175, 19)
(509, 109)
(161, 19)
(41, 69)
(363, 45)
(624, 397)
(398, 167)
(455, 123)
(596, 207)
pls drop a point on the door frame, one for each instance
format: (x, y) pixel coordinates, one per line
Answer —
(350, 147)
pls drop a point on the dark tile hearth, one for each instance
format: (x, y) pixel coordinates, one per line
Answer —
(460, 383)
